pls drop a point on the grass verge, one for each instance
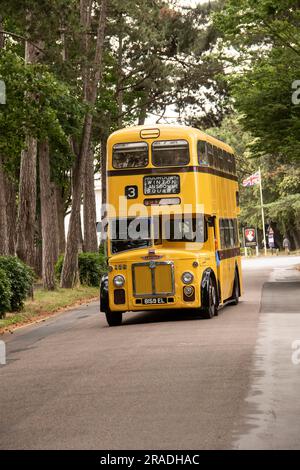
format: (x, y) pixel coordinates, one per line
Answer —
(46, 303)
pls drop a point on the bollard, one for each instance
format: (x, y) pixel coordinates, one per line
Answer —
(2, 92)
(2, 353)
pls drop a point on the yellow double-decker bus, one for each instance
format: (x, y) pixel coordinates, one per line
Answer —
(172, 208)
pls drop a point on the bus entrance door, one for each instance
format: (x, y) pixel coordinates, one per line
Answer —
(216, 251)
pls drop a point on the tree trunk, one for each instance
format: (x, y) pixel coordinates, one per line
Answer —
(48, 215)
(55, 222)
(3, 219)
(142, 117)
(4, 248)
(27, 203)
(27, 185)
(38, 258)
(79, 234)
(90, 243)
(11, 214)
(296, 239)
(2, 37)
(103, 187)
(119, 91)
(143, 110)
(60, 209)
(70, 266)
(69, 274)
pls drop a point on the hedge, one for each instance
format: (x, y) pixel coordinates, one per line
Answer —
(5, 293)
(91, 267)
(20, 277)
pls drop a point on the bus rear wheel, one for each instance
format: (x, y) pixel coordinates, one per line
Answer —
(236, 290)
(211, 309)
(114, 318)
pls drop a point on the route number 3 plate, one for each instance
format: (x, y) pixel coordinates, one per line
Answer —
(131, 192)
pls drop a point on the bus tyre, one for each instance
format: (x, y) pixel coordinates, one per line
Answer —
(236, 290)
(114, 318)
(211, 309)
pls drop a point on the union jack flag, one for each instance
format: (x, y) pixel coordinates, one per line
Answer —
(252, 180)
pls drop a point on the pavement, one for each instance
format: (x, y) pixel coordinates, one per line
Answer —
(162, 380)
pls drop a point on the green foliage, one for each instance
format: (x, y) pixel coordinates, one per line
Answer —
(59, 266)
(268, 88)
(160, 57)
(281, 182)
(38, 103)
(5, 293)
(261, 50)
(21, 279)
(91, 267)
(266, 39)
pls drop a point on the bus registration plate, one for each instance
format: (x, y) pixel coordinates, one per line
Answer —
(155, 301)
(169, 184)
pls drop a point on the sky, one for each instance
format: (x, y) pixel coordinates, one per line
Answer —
(188, 3)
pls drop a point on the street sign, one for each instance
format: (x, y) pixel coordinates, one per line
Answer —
(250, 237)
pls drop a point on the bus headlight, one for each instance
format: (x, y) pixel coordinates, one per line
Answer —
(119, 281)
(187, 278)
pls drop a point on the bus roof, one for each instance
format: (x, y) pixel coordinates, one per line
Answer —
(192, 131)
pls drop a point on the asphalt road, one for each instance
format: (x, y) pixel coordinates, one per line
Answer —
(162, 380)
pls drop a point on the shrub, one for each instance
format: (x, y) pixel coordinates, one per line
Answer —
(102, 249)
(5, 293)
(59, 266)
(91, 267)
(21, 278)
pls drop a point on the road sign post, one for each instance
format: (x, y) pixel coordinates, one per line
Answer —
(262, 212)
(250, 239)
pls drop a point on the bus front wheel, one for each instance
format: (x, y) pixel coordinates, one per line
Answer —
(114, 318)
(211, 308)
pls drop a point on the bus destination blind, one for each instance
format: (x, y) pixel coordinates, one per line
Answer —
(169, 184)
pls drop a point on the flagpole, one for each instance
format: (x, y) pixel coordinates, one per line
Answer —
(262, 213)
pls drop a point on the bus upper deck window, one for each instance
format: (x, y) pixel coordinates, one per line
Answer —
(130, 155)
(210, 150)
(216, 157)
(202, 152)
(226, 161)
(234, 164)
(229, 162)
(170, 153)
(222, 159)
